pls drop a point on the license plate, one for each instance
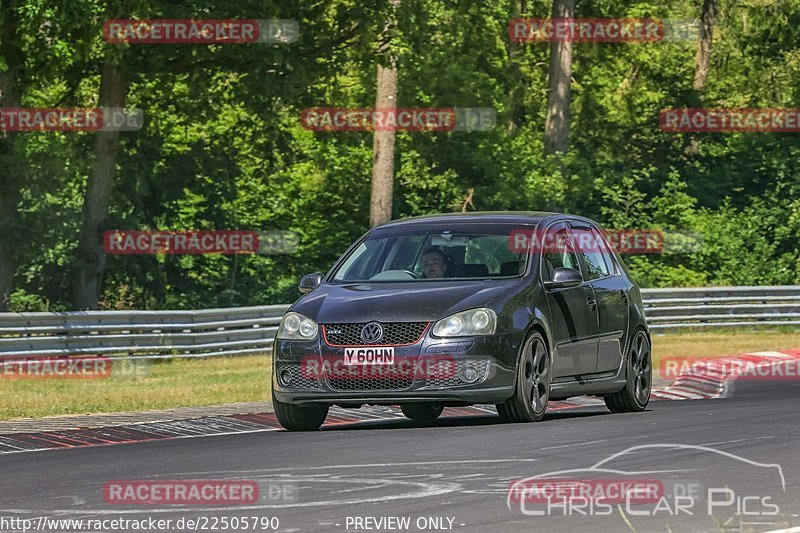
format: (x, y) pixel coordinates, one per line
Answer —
(374, 355)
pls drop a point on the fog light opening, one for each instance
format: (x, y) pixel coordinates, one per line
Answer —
(285, 377)
(469, 374)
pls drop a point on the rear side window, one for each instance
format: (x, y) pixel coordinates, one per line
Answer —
(605, 251)
(594, 251)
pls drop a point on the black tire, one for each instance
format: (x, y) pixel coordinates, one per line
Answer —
(534, 375)
(299, 417)
(504, 414)
(635, 396)
(424, 413)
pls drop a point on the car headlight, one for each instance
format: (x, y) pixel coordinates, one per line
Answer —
(482, 321)
(295, 326)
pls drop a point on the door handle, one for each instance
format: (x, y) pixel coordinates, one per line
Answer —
(591, 302)
(623, 295)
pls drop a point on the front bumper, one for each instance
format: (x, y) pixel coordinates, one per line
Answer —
(431, 370)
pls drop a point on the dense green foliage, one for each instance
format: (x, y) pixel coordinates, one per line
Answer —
(222, 146)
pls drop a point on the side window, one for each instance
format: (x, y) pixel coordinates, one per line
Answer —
(558, 251)
(591, 247)
(605, 251)
(353, 265)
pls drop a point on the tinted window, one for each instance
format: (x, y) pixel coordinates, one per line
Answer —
(605, 251)
(591, 247)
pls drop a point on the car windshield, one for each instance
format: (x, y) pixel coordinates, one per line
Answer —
(434, 254)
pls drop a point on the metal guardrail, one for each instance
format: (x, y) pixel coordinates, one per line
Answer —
(249, 330)
(722, 306)
(141, 334)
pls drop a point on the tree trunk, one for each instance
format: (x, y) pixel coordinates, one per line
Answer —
(702, 60)
(383, 151)
(703, 57)
(90, 254)
(10, 181)
(9, 221)
(380, 207)
(556, 129)
(516, 90)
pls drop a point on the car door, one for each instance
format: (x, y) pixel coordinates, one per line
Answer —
(573, 317)
(611, 293)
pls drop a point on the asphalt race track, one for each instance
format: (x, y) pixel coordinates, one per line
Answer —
(455, 475)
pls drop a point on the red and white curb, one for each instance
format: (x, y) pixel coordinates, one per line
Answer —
(713, 378)
(31, 441)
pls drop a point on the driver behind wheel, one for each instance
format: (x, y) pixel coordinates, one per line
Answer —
(434, 263)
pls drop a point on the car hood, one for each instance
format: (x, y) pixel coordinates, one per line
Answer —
(398, 302)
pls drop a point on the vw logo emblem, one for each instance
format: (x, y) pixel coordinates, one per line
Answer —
(372, 332)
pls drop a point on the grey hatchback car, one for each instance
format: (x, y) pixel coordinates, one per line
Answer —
(507, 308)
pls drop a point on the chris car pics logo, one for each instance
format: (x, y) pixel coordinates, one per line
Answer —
(751, 490)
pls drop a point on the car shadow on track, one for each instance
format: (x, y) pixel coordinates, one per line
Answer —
(459, 421)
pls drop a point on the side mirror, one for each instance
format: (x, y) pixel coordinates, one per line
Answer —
(309, 282)
(564, 277)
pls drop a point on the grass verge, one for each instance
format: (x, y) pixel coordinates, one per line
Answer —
(721, 343)
(155, 385)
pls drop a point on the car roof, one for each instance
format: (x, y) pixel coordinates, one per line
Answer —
(485, 217)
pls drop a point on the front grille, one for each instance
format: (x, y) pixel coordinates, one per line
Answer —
(394, 333)
(299, 381)
(369, 384)
(482, 367)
